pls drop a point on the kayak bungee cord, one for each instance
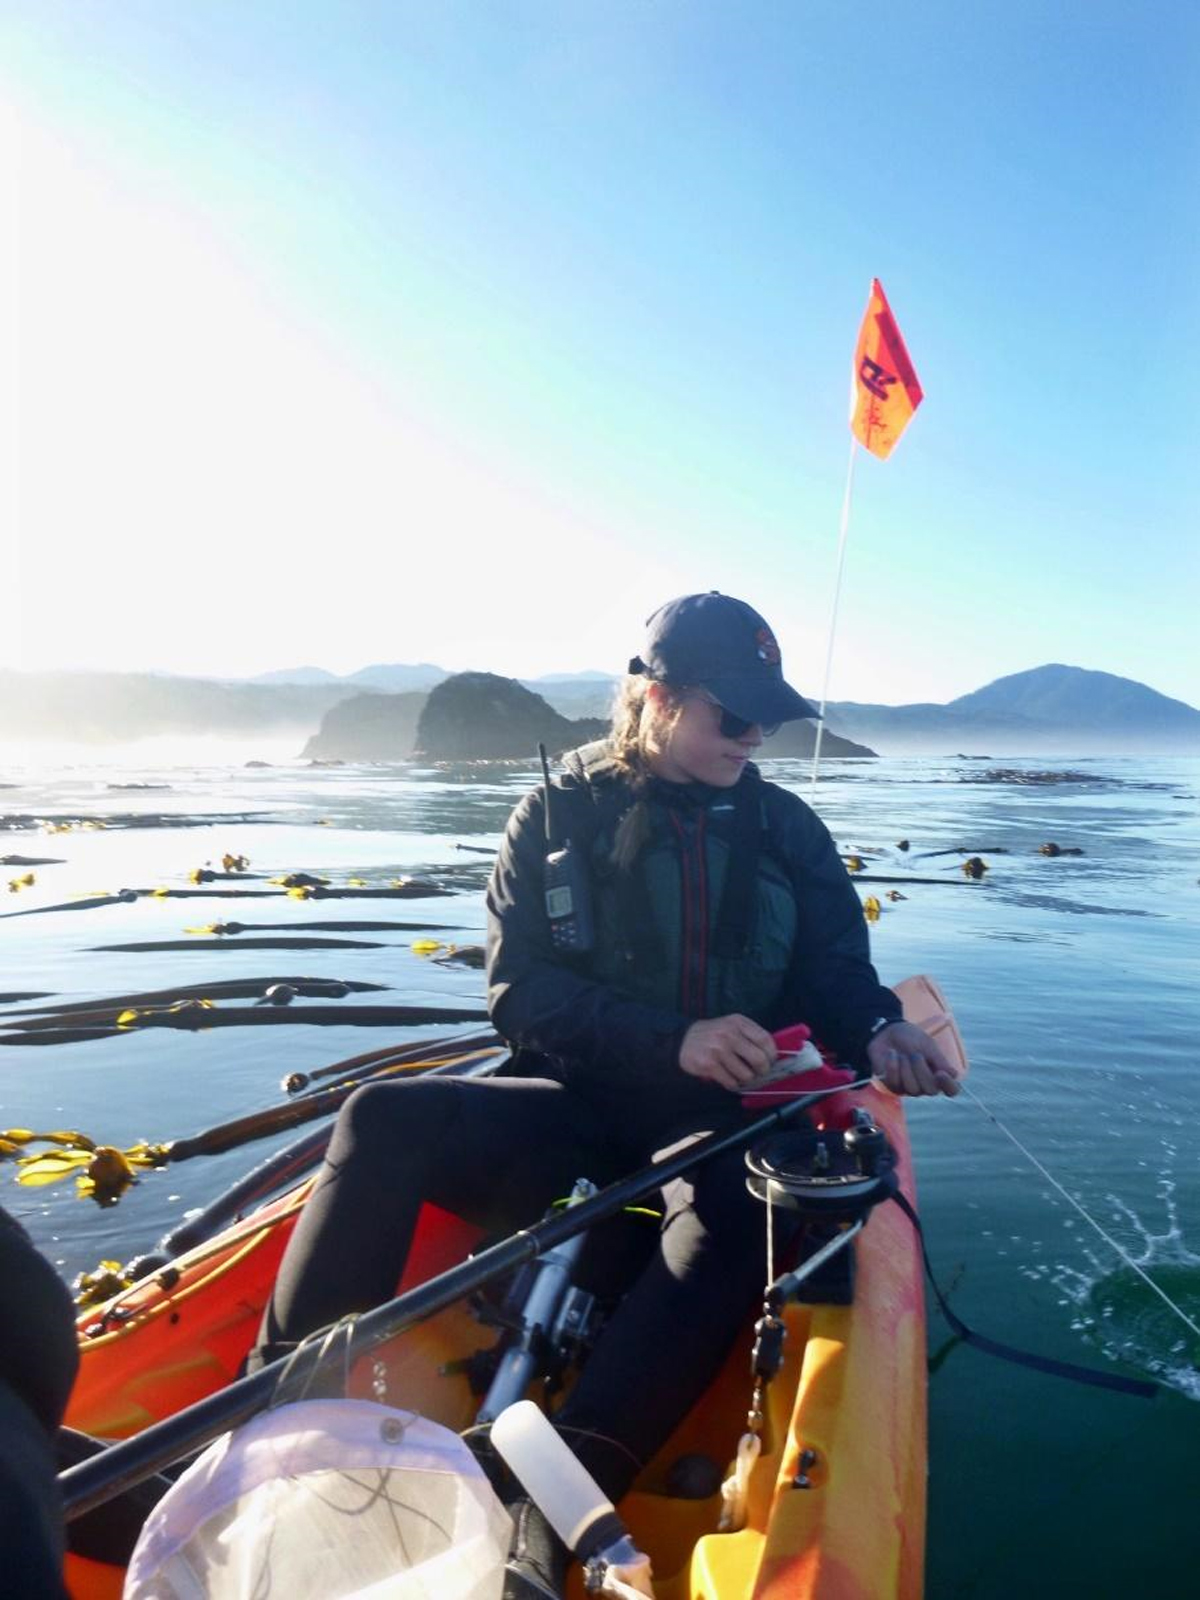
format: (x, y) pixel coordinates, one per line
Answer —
(1087, 1217)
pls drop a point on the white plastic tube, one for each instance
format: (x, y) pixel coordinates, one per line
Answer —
(555, 1479)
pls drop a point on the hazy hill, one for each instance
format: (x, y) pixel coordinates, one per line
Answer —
(306, 675)
(1074, 697)
(393, 678)
(576, 694)
(1053, 709)
(117, 707)
(368, 727)
(398, 678)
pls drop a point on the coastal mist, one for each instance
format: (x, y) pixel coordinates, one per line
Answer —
(1056, 902)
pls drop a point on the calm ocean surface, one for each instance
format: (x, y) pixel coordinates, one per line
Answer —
(1075, 981)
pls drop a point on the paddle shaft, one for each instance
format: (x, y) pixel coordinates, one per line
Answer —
(130, 1461)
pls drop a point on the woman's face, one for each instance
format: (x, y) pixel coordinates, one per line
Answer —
(691, 748)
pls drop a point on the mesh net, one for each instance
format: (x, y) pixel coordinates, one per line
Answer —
(331, 1499)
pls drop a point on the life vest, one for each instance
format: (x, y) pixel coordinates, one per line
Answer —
(705, 922)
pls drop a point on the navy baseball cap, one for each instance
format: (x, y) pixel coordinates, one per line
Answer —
(722, 645)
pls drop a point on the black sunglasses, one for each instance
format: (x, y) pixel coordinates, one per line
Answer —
(736, 727)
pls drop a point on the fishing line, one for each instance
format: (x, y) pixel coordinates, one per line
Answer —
(1107, 1237)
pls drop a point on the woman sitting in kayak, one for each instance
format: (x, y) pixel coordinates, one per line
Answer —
(721, 911)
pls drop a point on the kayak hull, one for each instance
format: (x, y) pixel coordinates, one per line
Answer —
(836, 1505)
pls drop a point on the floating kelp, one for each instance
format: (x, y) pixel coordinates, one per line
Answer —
(882, 877)
(102, 1172)
(279, 994)
(222, 989)
(211, 875)
(32, 861)
(975, 867)
(23, 994)
(146, 946)
(25, 821)
(414, 890)
(1052, 849)
(1021, 775)
(86, 903)
(407, 1060)
(226, 930)
(197, 1015)
(964, 850)
(463, 955)
(467, 955)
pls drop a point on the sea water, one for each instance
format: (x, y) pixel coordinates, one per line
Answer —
(1073, 978)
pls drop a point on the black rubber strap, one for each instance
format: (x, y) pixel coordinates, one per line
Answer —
(1141, 1387)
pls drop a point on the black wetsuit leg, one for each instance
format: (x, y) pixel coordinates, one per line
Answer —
(38, 1361)
(669, 1337)
(495, 1151)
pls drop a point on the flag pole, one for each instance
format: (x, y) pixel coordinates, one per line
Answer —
(837, 590)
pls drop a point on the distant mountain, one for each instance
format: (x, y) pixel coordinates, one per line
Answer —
(389, 679)
(1053, 709)
(576, 694)
(571, 677)
(1074, 697)
(302, 675)
(1050, 710)
(399, 677)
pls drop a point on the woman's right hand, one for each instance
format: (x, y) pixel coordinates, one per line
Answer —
(730, 1051)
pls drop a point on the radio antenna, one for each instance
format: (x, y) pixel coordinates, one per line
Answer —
(546, 791)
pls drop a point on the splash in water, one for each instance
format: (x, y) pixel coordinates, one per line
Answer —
(1117, 1310)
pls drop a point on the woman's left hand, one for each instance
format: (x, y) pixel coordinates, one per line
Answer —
(909, 1062)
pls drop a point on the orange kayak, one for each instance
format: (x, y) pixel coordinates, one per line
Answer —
(836, 1500)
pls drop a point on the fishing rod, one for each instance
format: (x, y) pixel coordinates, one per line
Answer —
(91, 1483)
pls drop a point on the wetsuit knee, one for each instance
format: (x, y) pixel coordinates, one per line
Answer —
(389, 1117)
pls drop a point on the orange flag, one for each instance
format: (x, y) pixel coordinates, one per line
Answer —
(884, 391)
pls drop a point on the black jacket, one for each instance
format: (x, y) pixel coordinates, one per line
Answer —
(549, 1004)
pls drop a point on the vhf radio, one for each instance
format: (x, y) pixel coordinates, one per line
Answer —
(568, 886)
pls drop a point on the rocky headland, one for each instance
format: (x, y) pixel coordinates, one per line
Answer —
(479, 716)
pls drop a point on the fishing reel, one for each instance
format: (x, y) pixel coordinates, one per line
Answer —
(824, 1174)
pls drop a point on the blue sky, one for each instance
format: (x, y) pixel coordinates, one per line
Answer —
(469, 332)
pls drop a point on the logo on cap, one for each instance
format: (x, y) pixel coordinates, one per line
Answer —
(768, 650)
